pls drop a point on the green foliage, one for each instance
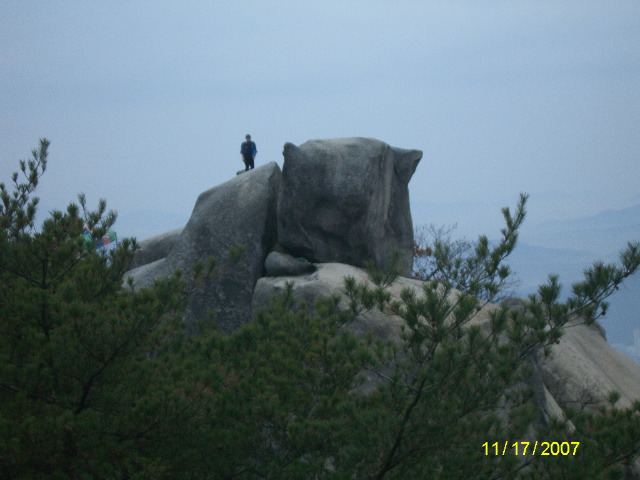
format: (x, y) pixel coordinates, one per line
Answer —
(609, 444)
(476, 269)
(17, 212)
(284, 383)
(98, 380)
(83, 361)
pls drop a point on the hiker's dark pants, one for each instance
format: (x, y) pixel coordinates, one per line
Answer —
(248, 163)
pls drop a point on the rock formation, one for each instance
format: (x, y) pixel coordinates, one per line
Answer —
(155, 248)
(240, 212)
(580, 372)
(328, 280)
(343, 200)
(347, 200)
(583, 368)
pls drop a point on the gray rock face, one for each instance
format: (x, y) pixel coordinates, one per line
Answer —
(278, 264)
(328, 280)
(583, 369)
(580, 372)
(347, 200)
(241, 211)
(155, 248)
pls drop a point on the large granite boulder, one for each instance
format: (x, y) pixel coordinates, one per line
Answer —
(155, 248)
(240, 212)
(347, 200)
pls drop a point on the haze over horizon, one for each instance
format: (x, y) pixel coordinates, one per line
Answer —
(146, 104)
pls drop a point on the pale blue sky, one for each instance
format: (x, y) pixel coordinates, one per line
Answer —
(146, 103)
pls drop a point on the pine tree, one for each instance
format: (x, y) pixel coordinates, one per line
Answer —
(84, 361)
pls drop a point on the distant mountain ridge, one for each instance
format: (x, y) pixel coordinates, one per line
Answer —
(604, 233)
(568, 247)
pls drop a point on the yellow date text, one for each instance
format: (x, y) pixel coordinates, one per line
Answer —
(531, 448)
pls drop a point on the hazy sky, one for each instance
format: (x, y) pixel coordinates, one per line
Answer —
(146, 103)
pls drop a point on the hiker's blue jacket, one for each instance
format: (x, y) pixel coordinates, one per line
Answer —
(248, 149)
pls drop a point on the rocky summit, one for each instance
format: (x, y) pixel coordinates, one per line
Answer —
(335, 205)
(337, 200)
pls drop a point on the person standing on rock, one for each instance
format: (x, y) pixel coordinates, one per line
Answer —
(248, 151)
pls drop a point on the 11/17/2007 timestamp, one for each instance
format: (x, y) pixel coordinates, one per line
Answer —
(531, 448)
